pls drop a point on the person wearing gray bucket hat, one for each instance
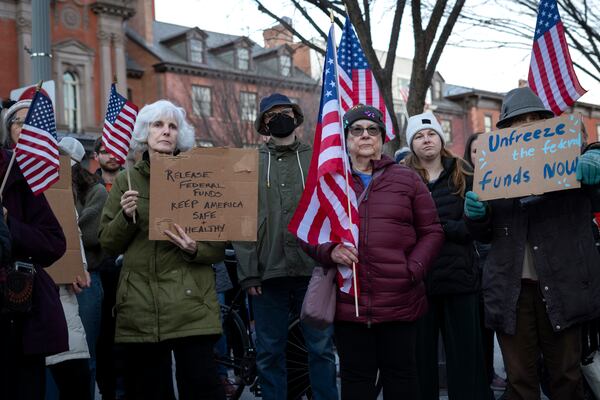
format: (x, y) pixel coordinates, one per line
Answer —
(541, 278)
(518, 103)
(274, 269)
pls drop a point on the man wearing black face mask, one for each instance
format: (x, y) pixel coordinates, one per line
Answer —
(274, 270)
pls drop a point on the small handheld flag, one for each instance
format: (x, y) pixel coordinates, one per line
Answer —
(37, 147)
(118, 125)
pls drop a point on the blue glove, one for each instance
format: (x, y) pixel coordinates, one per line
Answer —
(588, 168)
(474, 209)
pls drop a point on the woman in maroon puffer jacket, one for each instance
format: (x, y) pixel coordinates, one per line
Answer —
(400, 237)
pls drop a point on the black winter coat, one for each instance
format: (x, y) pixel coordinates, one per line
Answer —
(557, 227)
(454, 270)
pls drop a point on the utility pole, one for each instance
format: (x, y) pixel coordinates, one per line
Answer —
(40, 41)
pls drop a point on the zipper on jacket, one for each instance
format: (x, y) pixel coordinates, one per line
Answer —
(155, 297)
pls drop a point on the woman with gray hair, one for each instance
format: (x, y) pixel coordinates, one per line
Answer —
(166, 299)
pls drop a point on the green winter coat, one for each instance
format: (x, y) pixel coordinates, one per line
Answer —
(163, 292)
(276, 252)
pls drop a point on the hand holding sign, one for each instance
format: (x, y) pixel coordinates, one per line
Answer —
(182, 240)
(474, 209)
(588, 168)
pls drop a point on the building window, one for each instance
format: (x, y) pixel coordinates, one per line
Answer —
(196, 51)
(243, 59)
(202, 101)
(487, 123)
(248, 106)
(285, 65)
(71, 101)
(437, 90)
(447, 128)
(597, 134)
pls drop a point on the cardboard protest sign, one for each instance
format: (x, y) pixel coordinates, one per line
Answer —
(532, 159)
(60, 197)
(210, 192)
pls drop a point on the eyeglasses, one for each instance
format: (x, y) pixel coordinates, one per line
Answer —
(18, 122)
(287, 111)
(358, 130)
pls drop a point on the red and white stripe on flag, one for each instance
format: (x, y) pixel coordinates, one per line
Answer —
(356, 81)
(551, 73)
(118, 125)
(328, 211)
(36, 151)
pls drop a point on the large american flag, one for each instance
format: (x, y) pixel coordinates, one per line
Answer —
(118, 125)
(37, 147)
(322, 214)
(551, 73)
(357, 83)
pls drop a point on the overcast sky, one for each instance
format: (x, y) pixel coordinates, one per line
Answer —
(495, 70)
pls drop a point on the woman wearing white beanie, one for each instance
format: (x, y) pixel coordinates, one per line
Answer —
(453, 281)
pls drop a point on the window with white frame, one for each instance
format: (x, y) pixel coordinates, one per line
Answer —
(285, 65)
(202, 101)
(243, 59)
(248, 106)
(71, 101)
(447, 129)
(196, 51)
(487, 123)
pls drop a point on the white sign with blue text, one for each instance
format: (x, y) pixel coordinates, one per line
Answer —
(531, 159)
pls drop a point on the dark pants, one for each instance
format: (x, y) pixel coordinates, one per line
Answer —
(534, 335)
(22, 377)
(457, 317)
(109, 356)
(196, 372)
(389, 348)
(72, 378)
(487, 340)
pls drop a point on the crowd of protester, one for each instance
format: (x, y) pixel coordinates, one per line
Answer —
(142, 321)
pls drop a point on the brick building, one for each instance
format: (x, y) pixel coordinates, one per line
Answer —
(88, 49)
(218, 78)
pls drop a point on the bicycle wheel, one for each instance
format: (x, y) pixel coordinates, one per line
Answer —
(241, 356)
(297, 364)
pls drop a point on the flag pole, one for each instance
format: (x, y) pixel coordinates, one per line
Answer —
(115, 81)
(14, 153)
(345, 159)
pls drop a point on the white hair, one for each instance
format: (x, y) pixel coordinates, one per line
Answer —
(186, 137)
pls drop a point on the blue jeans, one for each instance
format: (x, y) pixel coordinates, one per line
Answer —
(90, 310)
(271, 314)
(221, 345)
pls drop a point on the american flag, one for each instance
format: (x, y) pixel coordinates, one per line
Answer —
(357, 83)
(37, 147)
(118, 125)
(551, 73)
(322, 214)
